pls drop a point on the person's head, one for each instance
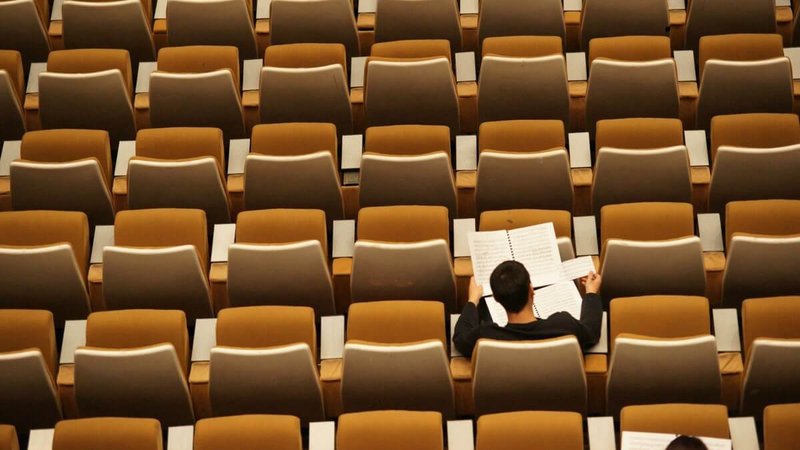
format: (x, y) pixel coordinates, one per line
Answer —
(511, 286)
(684, 442)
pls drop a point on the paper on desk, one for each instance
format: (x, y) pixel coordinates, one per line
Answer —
(659, 441)
(577, 268)
(496, 311)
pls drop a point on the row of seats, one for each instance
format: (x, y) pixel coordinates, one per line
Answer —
(400, 430)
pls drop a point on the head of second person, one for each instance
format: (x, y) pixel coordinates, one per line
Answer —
(684, 442)
(511, 286)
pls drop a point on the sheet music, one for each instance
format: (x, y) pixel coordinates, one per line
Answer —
(577, 268)
(536, 248)
(496, 310)
(563, 296)
(487, 249)
(659, 441)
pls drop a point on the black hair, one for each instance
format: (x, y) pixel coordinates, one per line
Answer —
(511, 283)
(684, 442)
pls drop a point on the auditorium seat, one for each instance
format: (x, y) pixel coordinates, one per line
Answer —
(43, 262)
(755, 130)
(498, 18)
(602, 18)
(134, 364)
(12, 93)
(771, 336)
(284, 158)
(630, 48)
(180, 168)
(248, 432)
(530, 430)
(316, 21)
(88, 89)
(522, 46)
(280, 258)
(390, 430)
(403, 223)
(27, 370)
(23, 27)
(197, 86)
(8, 438)
(108, 432)
(159, 260)
(713, 17)
(526, 367)
(677, 418)
(306, 83)
(264, 362)
(518, 218)
(64, 170)
(523, 88)
(650, 248)
(739, 47)
(120, 24)
(398, 20)
(221, 22)
(780, 426)
(762, 217)
(399, 140)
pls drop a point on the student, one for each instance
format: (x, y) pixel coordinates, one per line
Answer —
(511, 287)
(684, 442)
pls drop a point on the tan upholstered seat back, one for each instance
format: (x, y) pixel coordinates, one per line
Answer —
(278, 226)
(620, 18)
(764, 217)
(407, 139)
(780, 426)
(522, 46)
(397, 20)
(163, 228)
(739, 47)
(248, 432)
(181, 143)
(510, 18)
(396, 322)
(519, 218)
(402, 223)
(219, 22)
(760, 267)
(35, 228)
(68, 145)
(770, 317)
(11, 62)
(713, 17)
(107, 432)
(294, 139)
(12, 124)
(22, 28)
(199, 59)
(678, 418)
(521, 135)
(28, 391)
(411, 49)
(647, 221)
(293, 56)
(92, 60)
(266, 326)
(661, 316)
(530, 430)
(390, 430)
(314, 21)
(630, 48)
(29, 329)
(758, 130)
(639, 133)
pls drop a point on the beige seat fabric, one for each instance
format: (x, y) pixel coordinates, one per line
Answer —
(758, 130)
(249, 432)
(632, 175)
(537, 180)
(677, 418)
(734, 87)
(753, 174)
(403, 223)
(764, 217)
(27, 370)
(511, 18)
(630, 48)
(407, 139)
(8, 438)
(527, 367)
(148, 349)
(739, 47)
(411, 92)
(530, 430)
(107, 432)
(711, 17)
(403, 271)
(216, 22)
(390, 430)
(123, 24)
(407, 180)
(684, 370)
(772, 352)
(314, 21)
(12, 124)
(397, 20)
(623, 18)
(620, 89)
(22, 29)
(523, 88)
(780, 426)
(44, 259)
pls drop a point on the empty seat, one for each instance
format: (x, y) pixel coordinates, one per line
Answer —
(65, 170)
(159, 260)
(403, 223)
(523, 88)
(108, 432)
(620, 89)
(122, 24)
(22, 29)
(530, 430)
(527, 366)
(771, 336)
(711, 17)
(522, 46)
(8, 438)
(412, 49)
(521, 135)
(397, 20)
(677, 418)
(180, 168)
(265, 363)
(759, 266)
(44, 257)
(659, 316)
(602, 18)
(739, 47)
(314, 21)
(756, 130)
(780, 426)
(390, 430)
(510, 18)
(88, 89)
(198, 86)
(407, 139)
(762, 217)
(639, 133)
(630, 48)
(12, 90)
(134, 365)
(248, 432)
(27, 370)
(217, 22)
(284, 158)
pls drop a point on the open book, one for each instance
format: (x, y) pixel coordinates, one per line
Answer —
(563, 296)
(659, 441)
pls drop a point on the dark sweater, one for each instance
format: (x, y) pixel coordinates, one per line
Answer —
(474, 325)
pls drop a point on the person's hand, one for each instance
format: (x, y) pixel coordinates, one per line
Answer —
(592, 282)
(475, 291)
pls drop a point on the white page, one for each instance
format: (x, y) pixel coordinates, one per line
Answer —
(496, 310)
(563, 296)
(577, 268)
(659, 441)
(536, 248)
(487, 249)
